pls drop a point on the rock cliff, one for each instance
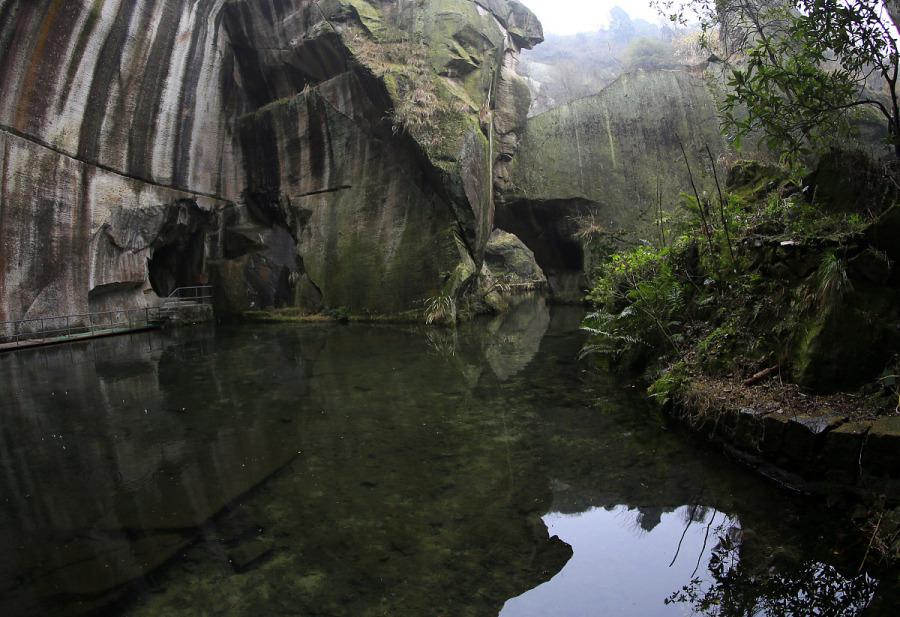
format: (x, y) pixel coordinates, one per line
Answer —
(604, 164)
(296, 152)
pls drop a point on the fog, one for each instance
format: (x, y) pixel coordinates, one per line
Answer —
(573, 16)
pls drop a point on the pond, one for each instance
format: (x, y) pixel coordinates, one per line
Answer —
(387, 470)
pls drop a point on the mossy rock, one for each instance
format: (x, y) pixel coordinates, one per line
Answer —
(753, 179)
(872, 266)
(850, 181)
(848, 344)
(884, 233)
(518, 20)
(508, 257)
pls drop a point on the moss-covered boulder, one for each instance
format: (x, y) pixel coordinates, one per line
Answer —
(851, 181)
(848, 343)
(509, 258)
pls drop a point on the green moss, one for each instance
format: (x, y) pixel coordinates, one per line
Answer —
(286, 315)
(328, 316)
(807, 349)
(370, 16)
(723, 347)
(751, 180)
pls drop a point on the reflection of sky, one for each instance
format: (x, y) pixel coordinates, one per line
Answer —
(619, 568)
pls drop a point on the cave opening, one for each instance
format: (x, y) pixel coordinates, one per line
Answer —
(550, 229)
(178, 255)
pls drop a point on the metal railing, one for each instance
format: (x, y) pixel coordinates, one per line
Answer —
(201, 294)
(37, 330)
(24, 332)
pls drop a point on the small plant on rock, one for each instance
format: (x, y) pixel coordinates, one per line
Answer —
(440, 309)
(833, 281)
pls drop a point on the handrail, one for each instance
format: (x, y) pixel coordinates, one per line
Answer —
(79, 324)
(199, 293)
(178, 290)
(76, 315)
(33, 329)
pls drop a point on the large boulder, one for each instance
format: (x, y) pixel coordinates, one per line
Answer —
(509, 258)
(851, 181)
(521, 23)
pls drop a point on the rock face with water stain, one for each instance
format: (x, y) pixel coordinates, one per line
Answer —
(336, 153)
(606, 162)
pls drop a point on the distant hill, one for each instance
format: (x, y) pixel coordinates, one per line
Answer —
(566, 68)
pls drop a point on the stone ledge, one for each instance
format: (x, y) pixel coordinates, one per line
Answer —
(820, 451)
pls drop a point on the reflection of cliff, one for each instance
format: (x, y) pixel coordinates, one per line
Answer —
(396, 503)
(111, 464)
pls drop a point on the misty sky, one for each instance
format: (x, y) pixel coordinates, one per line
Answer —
(572, 16)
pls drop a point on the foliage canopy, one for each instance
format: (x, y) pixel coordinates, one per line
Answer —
(799, 69)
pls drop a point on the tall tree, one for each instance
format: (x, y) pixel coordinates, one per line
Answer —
(800, 69)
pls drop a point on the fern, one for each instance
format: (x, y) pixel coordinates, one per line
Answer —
(610, 334)
(833, 283)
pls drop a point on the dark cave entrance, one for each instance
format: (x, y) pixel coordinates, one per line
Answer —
(178, 256)
(550, 230)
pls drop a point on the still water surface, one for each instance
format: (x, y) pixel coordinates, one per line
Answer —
(385, 470)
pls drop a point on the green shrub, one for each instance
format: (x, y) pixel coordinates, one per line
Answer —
(638, 300)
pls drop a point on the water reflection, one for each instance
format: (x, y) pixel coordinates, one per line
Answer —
(812, 589)
(630, 559)
(367, 470)
(621, 561)
(108, 470)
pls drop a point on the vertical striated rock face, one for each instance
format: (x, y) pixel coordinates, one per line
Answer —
(338, 152)
(112, 121)
(604, 165)
(620, 147)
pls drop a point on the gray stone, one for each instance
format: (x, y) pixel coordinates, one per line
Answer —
(842, 449)
(803, 436)
(510, 259)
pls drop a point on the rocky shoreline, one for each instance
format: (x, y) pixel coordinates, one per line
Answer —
(826, 445)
